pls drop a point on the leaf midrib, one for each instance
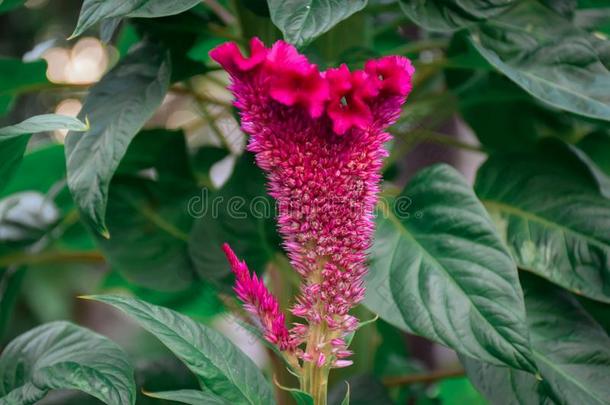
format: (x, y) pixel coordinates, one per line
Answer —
(531, 76)
(534, 217)
(540, 356)
(198, 350)
(403, 230)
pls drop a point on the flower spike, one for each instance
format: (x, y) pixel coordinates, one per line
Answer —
(319, 136)
(259, 302)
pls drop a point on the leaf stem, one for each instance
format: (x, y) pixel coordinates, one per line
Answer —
(222, 13)
(422, 378)
(51, 257)
(444, 139)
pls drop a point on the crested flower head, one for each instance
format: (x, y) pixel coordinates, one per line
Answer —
(319, 136)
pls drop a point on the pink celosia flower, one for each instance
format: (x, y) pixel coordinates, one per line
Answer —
(319, 136)
(259, 302)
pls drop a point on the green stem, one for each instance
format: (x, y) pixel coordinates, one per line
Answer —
(422, 378)
(20, 259)
(314, 380)
(442, 139)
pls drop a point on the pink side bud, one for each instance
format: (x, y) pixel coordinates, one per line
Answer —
(259, 301)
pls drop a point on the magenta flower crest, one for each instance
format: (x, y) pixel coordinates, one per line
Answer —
(319, 137)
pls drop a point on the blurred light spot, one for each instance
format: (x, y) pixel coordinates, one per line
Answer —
(36, 3)
(38, 50)
(70, 107)
(57, 59)
(181, 118)
(85, 63)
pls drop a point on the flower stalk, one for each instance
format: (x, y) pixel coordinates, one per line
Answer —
(319, 137)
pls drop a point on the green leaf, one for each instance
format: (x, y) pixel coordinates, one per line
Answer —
(11, 280)
(449, 15)
(29, 176)
(191, 397)
(346, 399)
(506, 386)
(489, 103)
(8, 5)
(549, 58)
(458, 391)
(221, 368)
(149, 229)
(241, 214)
(299, 396)
(118, 106)
(146, 216)
(17, 76)
(601, 178)
(14, 140)
(11, 155)
(597, 147)
(303, 21)
(439, 269)
(42, 123)
(200, 52)
(94, 11)
(59, 355)
(202, 162)
(361, 390)
(572, 351)
(548, 208)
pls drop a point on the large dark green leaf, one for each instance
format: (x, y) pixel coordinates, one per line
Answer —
(302, 21)
(221, 368)
(241, 214)
(60, 355)
(439, 268)
(449, 15)
(94, 11)
(118, 106)
(149, 228)
(489, 103)
(506, 386)
(549, 58)
(147, 214)
(571, 350)
(548, 208)
(157, 374)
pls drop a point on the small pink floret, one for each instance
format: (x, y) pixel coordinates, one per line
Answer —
(394, 73)
(229, 56)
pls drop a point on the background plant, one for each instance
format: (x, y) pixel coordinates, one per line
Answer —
(505, 263)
